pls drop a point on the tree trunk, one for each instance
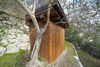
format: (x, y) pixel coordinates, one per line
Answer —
(39, 31)
(34, 62)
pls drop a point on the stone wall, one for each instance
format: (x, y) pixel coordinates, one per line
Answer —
(14, 35)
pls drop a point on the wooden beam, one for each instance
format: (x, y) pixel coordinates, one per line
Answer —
(61, 23)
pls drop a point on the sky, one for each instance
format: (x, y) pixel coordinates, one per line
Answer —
(30, 0)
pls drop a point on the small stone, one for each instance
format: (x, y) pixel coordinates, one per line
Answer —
(24, 45)
(12, 40)
(12, 48)
(2, 49)
(19, 31)
(23, 37)
(25, 26)
(12, 31)
(11, 36)
(22, 28)
(29, 47)
(4, 41)
(19, 35)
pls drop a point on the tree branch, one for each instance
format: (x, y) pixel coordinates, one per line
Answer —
(31, 15)
(34, 6)
(48, 14)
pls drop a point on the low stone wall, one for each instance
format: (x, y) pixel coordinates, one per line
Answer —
(14, 35)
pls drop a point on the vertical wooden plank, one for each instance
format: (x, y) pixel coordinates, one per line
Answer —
(57, 41)
(44, 49)
(32, 35)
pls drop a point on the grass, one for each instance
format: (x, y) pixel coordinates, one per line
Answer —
(18, 59)
(3, 45)
(69, 46)
(41, 59)
(88, 60)
(71, 62)
(11, 42)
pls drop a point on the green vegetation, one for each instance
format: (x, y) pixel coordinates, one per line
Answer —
(2, 32)
(84, 32)
(70, 47)
(41, 59)
(11, 42)
(88, 60)
(18, 59)
(3, 45)
(71, 62)
(92, 47)
(1, 12)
